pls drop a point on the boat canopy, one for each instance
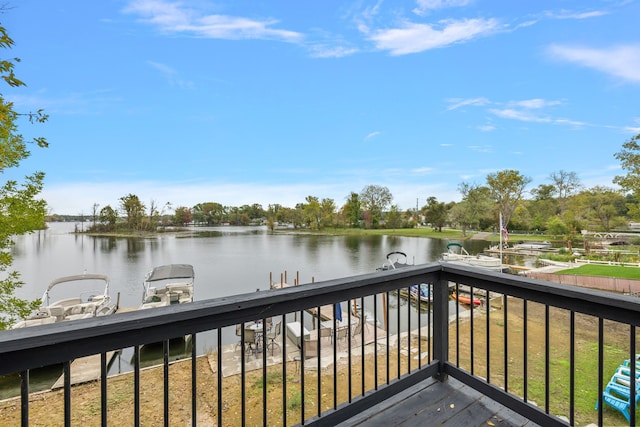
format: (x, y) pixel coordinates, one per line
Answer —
(171, 271)
(77, 278)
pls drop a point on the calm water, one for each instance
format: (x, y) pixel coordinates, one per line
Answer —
(227, 261)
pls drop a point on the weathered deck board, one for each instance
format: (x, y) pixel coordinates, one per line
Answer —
(434, 403)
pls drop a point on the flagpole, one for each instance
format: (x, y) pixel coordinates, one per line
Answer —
(500, 239)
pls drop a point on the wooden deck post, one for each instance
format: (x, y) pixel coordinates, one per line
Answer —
(440, 309)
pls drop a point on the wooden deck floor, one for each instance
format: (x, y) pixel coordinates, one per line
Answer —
(432, 403)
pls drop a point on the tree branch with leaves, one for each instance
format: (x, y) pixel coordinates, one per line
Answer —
(21, 211)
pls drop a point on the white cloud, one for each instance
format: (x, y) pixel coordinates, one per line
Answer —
(487, 128)
(371, 135)
(525, 116)
(174, 17)
(456, 103)
(534, 103)
(422, 171)
(323, 51)
(171, 75)
(426, 5)
(622, 61)
(569, 14)
(414, 38)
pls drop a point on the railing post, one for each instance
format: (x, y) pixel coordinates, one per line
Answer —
(441, 326)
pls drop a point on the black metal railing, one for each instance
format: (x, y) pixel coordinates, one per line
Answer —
(238, 368)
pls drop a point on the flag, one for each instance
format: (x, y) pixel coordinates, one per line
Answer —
(505, 233)
(338, 312)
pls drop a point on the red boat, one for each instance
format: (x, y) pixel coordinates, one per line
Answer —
(465, 299)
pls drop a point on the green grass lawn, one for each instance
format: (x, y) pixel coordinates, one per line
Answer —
(629, 272)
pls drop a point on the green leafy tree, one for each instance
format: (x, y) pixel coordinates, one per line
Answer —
(20, 210)
(108, 217)
(475, 205)
(566, 184)
(436, 213)
(556, 226)
(352, 210)
(312, 213)
(629, 158)
(542, 207)
(393, 219)
(375, 199)
(133, 210)
(507, 189)
(604, 206)
(328, 211)
(183, 215)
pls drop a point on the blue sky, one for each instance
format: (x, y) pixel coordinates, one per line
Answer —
(242, 102)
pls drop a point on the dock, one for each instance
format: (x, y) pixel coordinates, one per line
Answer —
(84, 369)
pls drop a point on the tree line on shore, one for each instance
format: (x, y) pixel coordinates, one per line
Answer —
(563, 207)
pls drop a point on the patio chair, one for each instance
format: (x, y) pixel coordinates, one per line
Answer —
(273, 335)
(357, 332)
(251, 344)
(310, 349)
(239, 335)
(326, 333)
(342, 334)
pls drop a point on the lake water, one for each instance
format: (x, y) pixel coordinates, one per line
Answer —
(226, 260)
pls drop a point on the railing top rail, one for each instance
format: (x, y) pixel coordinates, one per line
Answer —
(21, 348)
(24, 348)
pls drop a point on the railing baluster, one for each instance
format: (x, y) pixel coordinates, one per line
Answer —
(420, 326)
(136, 386)
(409, 327)
(471, 341)
(398, 332)
(600, 368)
(386, 318)
(375, 340)
(302, 416)
(219, 374)
(546, 358)
(350, 373)
(362, 324)
(194, 380)
(319, 366)
(24, 398)
(103, 389)
(429, 316)
(526, 351)
(572, 366)
(165, 348)
(457, 291)
(283, 325)
(632, 367)
(67, 393)
(264, 370)
(488, 338)
(335, 354)
(243, 392)
(506, 345)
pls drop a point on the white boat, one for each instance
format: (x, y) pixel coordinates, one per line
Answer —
(168, 284)
(93, 300)
(394, 261)
(532, 246)
(456, 254)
